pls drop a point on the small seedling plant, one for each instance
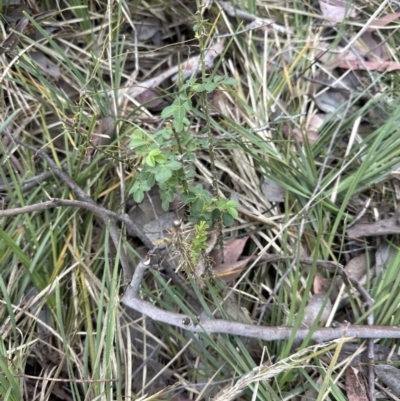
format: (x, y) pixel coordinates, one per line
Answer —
(167, 158)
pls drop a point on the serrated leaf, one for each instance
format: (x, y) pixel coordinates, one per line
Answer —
(215, 214)
(168, 195)
(174, 165)
(227, 219)
(198, 205)
(231, 203)
(187, 105)
(200, 88)
(165, 204)
(149, 160)
(145, 186)
(218, 78)
(155, 152)
(134, 143)
(138, 196)
(178, 118)
(166, 133)
(161, 159)
(135, 186)
(163, 174)
(170, 110)
(150, 182)
(211, 86)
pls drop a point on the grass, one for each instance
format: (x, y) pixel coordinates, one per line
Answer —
(60, 274)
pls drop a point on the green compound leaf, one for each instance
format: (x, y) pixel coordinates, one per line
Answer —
(198, 205)
(170, 110)
(179, 115)
(227, 219)
(138, 196)
(149, 160)
(230, 81)
(211, 86)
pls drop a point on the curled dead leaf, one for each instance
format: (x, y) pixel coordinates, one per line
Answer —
(355, 385)
(151, 100)
(297, 134)
(228, 272)
(381, 227)
(312, 309)
(232, 251)
(381, 22)
(337, 10)
(272, 190)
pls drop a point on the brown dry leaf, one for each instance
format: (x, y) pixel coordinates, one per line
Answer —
(382, 227)
(357, 267)
(147, 28)
(332, 60)
(355, 386)
(103, 135)
(158, 228)
(272, 190)
(375, 51)
(316, 121)
(298, 135)
(45, 64)
(228, 272)
(146, 211)
(384, 255)
(312, 309)
(387, 19)
(337, 9)
(331, 100)
(221, 102)
(151, 100)
(385, 66)
(187, 69)
(320, 285)
(232, 251)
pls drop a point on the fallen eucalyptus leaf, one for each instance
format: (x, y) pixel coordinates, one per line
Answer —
(45, 64)
(232, 251)
(381, 227)
(313, 308)
(390, 376)
(355, 386)
(272, 190)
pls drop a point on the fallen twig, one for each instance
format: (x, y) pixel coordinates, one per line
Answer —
(206, 325)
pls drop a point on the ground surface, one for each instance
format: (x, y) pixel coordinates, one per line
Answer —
(254, 145)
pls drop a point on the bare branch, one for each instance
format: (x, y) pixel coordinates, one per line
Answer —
(87, 203)
(200, 325)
